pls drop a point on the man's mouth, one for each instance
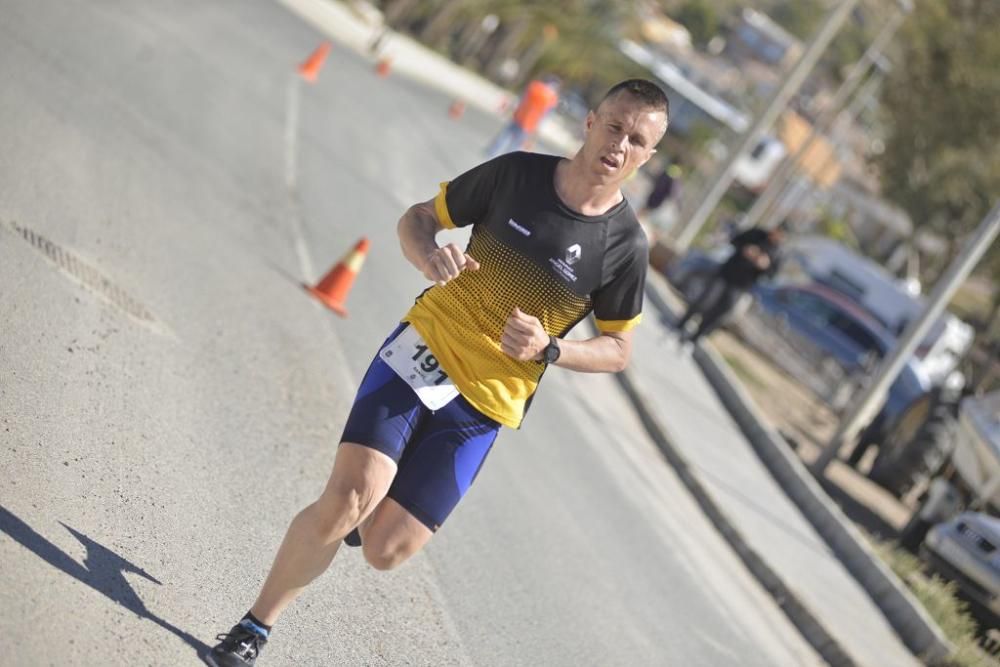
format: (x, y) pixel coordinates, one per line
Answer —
(609, 162)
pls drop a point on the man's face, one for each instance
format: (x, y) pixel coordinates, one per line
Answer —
(620, 136)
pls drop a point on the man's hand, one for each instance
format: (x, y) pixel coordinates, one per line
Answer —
(446, 262)
(757, 256)
(523, 337)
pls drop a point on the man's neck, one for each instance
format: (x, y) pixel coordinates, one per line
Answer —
(582, 191)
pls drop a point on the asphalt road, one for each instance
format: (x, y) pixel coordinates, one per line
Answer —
(169, 397)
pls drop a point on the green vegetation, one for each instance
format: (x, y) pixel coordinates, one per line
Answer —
(940, 106)
(971, 302)
(939, 598)
(575, 39)
(700, 19)
(801, 18)
(837, 229)
(741, 370)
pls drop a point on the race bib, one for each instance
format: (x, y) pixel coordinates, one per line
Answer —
(410, 357)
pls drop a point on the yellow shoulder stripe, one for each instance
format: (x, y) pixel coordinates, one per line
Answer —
(613, 326)
(441, 208)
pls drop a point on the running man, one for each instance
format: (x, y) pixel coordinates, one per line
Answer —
(553, 240)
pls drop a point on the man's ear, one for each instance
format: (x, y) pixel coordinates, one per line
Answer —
(647, 158)
(589, 122)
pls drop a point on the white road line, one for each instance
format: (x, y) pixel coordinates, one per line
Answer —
(308, 271)
(292, 131)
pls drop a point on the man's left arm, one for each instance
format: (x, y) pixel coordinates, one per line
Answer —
(524, 339)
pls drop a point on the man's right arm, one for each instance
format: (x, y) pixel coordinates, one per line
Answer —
(417, 230)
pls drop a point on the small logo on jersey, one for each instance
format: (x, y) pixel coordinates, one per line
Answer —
(522, 229)
(564, 265)
(573, 254)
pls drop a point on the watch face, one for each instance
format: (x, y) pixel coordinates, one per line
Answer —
(551, 353)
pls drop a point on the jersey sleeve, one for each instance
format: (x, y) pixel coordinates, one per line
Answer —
(466, 199)
(618, 303)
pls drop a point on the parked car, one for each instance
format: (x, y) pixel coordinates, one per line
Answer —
(887, 298)
(847, 350)
(966, 549)
(948, 444)
(826, 341)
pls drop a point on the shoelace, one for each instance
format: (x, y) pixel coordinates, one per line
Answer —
(246, 643)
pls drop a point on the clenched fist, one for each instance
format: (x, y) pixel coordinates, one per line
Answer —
(446, 262)
(523, 337)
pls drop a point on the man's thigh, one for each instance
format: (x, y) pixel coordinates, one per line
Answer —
(360, 479)
(383, 418)
(441, 461)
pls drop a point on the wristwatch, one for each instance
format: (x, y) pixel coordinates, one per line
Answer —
(550, 354)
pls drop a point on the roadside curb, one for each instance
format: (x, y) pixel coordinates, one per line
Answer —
(810, 627)
(907, 617)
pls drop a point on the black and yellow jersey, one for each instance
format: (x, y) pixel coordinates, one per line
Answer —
(534, 253)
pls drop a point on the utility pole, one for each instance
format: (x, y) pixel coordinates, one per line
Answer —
(765, 203)
(717, 189)
(890, 367)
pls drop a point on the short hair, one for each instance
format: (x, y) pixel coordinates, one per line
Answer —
(646, 92)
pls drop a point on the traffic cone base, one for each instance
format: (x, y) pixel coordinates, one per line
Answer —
(326, 300)
(333, 289)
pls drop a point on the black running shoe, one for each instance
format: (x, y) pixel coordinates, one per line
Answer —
(353, 538)
(239, 648)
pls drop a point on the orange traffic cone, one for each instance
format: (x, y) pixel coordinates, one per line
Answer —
(314, 63)
(383, 66)
(456, 109)
(333, 288)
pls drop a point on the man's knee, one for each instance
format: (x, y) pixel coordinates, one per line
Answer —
(360, 479)
(386, 555)
(392, 536)
(343, 505)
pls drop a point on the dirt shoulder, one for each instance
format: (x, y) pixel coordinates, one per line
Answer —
(807, 423)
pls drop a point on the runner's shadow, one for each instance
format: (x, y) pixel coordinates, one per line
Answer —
(102, 569)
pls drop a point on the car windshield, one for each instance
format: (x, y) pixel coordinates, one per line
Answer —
(809, 306)
(856, 333)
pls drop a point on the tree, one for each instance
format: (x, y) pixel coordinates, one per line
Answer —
(700, 20)
(801, 17)
(576, 39)
(942, 111)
